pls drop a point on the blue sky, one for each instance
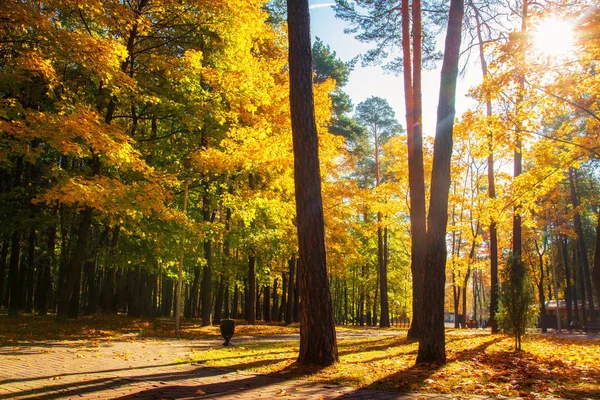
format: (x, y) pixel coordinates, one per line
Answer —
(373, 81)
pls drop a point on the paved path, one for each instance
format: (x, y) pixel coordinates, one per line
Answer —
(148, 369)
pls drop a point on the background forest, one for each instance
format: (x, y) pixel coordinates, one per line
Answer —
(148, 142)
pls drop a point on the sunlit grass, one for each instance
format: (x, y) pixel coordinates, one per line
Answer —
(478, 363)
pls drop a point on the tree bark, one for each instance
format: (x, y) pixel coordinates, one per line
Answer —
(432, 347)
(317, 329)
(416, 174)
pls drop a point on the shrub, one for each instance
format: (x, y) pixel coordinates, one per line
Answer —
(516, 310)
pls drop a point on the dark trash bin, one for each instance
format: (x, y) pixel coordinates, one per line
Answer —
(227, 330)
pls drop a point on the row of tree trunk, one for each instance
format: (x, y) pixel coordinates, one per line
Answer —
(32, 279)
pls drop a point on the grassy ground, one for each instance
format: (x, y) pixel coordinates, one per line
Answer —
(477, 362)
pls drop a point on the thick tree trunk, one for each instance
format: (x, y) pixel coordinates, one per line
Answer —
(432, 347)
(317, 329)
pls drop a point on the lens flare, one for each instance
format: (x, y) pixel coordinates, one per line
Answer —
(553, 37)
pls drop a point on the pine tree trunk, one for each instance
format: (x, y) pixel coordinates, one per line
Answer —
(416, 174)
(432, 347)
(318, 344)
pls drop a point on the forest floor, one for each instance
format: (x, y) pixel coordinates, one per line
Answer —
(117, 356)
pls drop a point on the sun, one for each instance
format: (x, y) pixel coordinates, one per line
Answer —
(553, 37)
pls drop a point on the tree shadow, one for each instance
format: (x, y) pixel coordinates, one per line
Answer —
(66, 374)
(413, 378)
